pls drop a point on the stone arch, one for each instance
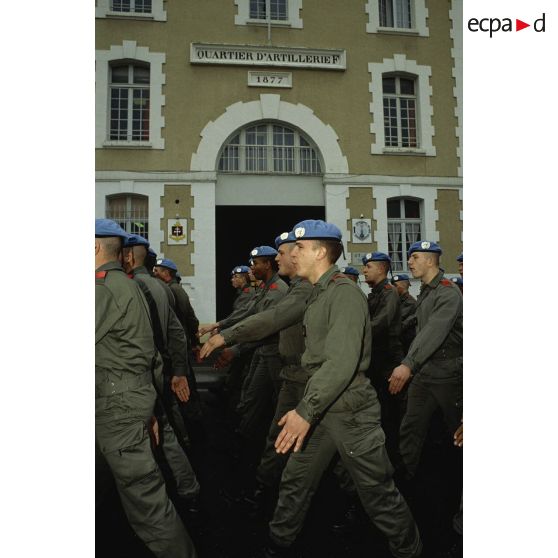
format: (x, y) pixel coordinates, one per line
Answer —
(268, 107)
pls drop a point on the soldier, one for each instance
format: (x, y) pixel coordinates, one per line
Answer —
(240, 280)
(387, 352)
(460, 264)
(459, 282)
(170, 371)
(351, 273)
(285, 317)
(408, 306)
(435, 357)
(125, 398)
(339, 410)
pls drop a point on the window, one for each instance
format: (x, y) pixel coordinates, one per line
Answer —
(404, 228)
(400, 122)
(395, 13)
(281, 12)
(129, 102)
(129, 6)
(130, 212)
(404, 17)
(269, 148)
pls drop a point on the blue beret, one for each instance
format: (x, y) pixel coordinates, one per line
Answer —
(316, 229)
(457, 280)
(169, 264)
(240, 269)
(152, 252)
(136, 240)
(460, 258)
(424, 246)
(263, 251)
(350, 271)
(376, 257)
(400, 277)
(107, 227)
(283, 238)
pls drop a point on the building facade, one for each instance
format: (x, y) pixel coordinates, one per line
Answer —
(221, 123)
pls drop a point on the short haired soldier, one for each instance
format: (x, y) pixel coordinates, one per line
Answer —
(339, 411)
(435, 356)
(125, 398)
(350, 272)
(240, 280)
(408, 306)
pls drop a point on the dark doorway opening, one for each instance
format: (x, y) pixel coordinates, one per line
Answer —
(240, 228)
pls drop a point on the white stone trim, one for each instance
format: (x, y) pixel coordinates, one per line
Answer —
(153, 190)
(428, 196)
(158, 13)
(336, 212)
(419, 14)
(400, 64)
(130, 50)
(293, 11)
(456, 34)
(268, 107)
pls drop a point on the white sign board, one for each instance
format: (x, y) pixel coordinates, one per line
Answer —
(270, 79)
(362, 231)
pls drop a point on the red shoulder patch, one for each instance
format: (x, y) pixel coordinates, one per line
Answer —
(246, 290)
(388, 287)
(445, 282)
(273, 286)
(100, 274)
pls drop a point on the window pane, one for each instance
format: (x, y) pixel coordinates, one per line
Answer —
(279, 9)
(412, 209)
(257, 9)
(119, 74)
(386, 13)
(120, 5)
(388, 85)
(403, 13)
(130, 212)
(407, 86)
(141, 74)
(394, 209)
(143, 6)
(118, 113)
(395, 245)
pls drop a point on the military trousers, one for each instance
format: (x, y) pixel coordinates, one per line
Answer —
(122, 437)
(359, 439)
(272, 463)
(423, 398)
(262, 387)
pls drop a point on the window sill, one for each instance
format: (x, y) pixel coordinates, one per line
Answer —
(398, 31)
(274, 23)
(403, 151)
(129, 15)
(127, 144)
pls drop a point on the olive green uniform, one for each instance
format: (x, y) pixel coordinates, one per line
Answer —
(124, 402)
(285, 317)
(387, 352)
(344, 412)
(408, 320)
(170, 341)
(436, 360)
(243, 296)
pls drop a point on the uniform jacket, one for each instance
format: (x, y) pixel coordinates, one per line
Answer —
(185, 313)
(385, 321)
(243, 297)
(408, 320)
(286, 318)
(437, 349)
(338, 345)
(168, 332)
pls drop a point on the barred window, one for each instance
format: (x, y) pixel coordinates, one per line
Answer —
(395, 13)
(277, 9)
(400, 118)
(269, 148)
(129, 102)
(131, 6)
(131, 212)
(404, 228)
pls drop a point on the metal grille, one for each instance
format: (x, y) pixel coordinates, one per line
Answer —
(131, 6)
(130, 212)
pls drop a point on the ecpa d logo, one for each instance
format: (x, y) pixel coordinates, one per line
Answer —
(494, 24)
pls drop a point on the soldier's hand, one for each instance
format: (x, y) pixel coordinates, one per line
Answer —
(211, 344)
(294, 431)
(458, 436)
(154, 431)
(399, 378)
(206, 329)
(225, 358)
(179, 384)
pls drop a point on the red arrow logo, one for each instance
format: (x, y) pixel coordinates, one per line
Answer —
(519, 25)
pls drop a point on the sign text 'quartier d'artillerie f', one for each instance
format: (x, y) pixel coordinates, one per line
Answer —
(249, 55)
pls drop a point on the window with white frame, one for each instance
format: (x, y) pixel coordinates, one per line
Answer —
(129, 102)
(131, 212)
(276, 12)
(135, 9)
(269, 148)
(397, 16)
(400, 116)
(404, 227)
